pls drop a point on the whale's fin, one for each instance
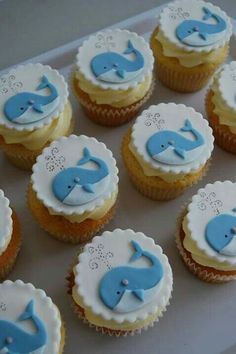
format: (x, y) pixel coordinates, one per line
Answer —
(86, 158)
(187, 126)
(130, 48)
(138, 251)
(207, 15)
(139, 293)
(180, 152)
(88, 188)
(203, 35)
(121, 73)
(29, 312)
(44, 83)
(38, 107)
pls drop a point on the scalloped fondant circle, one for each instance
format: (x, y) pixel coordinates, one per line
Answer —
(15, 296)
(115, 41)
(22, 85)
(5, 220)
(199, 35)
(227, 84)
(66, 153)
(172, 117)
(111, 250)
(214, 200)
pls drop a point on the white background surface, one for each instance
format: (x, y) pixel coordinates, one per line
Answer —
(201, 318)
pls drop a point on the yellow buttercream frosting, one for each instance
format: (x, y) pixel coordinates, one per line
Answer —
(111, 324)
(198, 255)
(38, 138)
(114, 98)
(186, 58)
(96, 214)
(226, 114)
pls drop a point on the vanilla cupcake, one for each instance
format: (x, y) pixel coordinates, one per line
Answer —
(167, 150)
(121, 283)
(221, 107)
(34, 111)
(10, 237)
(206, 233)
(29, 320)
(113, 76)
(74, 188)
(190, 42)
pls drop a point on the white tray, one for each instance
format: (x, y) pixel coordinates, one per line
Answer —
(201, 318)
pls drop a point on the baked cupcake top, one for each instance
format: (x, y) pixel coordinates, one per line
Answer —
(115, 59)
(123, 276)
(31, 96)
(5, 222)
(74, 175)
(195, 25)
(211, 221)
(171, 138)
(29, 321)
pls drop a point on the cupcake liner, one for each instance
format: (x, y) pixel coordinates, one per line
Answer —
(63, 337)
(207, 274)
(154, 187)
(179, 78)
(8, 258)
(61, 228)
(223, 136)
(80, 313)
(22, 157)
(107, 115)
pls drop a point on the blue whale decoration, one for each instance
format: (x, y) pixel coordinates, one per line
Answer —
(161, 145)
(14, 340)
(76, 185)
(113, 67)
(221, 234)
(199, 33)
(16, 106)
(117, 281)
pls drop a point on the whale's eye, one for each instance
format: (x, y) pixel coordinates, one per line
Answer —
(162, 145)
(118, 292)
(189, 31)
(105, 67)
(21, 108)
(69, 187)
(226, 236)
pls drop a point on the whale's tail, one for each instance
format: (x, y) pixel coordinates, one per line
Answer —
(187, 126)
(208, 14)
(130, 48)
(29, 312)
(44, 83)
(138, 251)
(86, 158)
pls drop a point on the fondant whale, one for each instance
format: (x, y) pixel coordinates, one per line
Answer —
(15, 107)
(221, 234)
(198, 33)
(113, 67)
(14, 340)
(117, 281)
(76, 185)
(170, 147)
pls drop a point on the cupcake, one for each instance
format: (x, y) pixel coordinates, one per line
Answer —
(221, 107)
(34, 111)
(113, 76)
(206, 233)
(121, 283)
(190, 42)
(167, 150)
(29, 320)
(10, 237)
(74, 188)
